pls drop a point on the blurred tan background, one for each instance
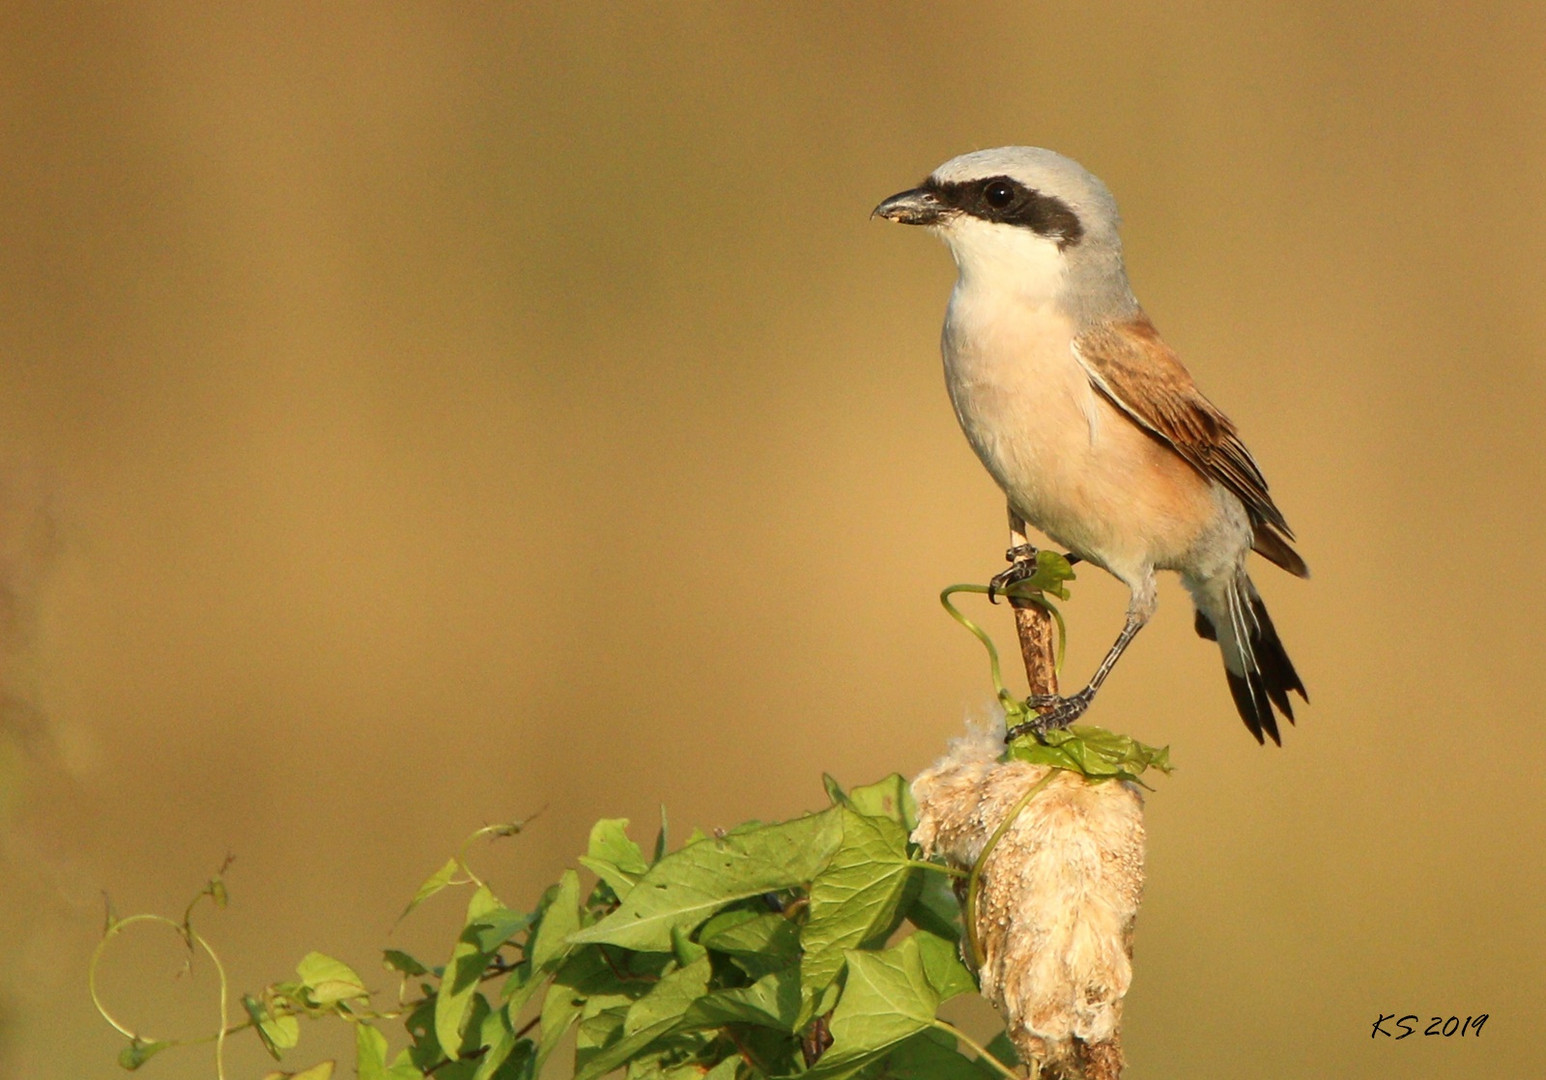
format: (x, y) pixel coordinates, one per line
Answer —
(415, 416)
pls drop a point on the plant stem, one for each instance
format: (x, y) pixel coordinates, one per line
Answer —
(940, 868)
(982, 1051)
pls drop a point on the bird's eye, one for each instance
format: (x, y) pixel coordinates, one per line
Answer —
(999, 194)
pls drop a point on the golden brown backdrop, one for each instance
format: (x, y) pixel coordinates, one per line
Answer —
(413, 416)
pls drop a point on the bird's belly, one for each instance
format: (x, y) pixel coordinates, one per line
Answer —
(1069, 462)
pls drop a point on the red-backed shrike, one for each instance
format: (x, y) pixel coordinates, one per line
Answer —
(1088, 420)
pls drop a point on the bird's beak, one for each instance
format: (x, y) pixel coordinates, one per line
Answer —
(916, 207)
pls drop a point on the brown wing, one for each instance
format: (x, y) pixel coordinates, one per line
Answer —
(1133, 367)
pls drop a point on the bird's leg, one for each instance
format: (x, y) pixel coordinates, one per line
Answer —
(1057, 711)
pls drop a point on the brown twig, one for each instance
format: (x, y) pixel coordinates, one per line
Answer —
(1034, 625)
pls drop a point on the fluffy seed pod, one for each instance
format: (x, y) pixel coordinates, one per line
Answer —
(1058, 897)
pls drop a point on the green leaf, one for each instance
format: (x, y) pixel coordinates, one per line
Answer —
(397, 960)
(669, 998)
(772, 1001)
(459, 985)
(685, 949)
(560, 1009)
(556, 919)
(855, 900)
(935, 907)
(889, 798)
(943, 967)
(652, 1016)
(1000, 1047)
(725, 1070)
(766, 937)
(588, 975)
(613, 857)
(498, 1038)
(559, 922)
(931, 1055)
(499, 926)
(370, 1050)
(1051, 571)
(660, 837)
(687, 886)
(597, 1030)
(432, 884)
(520, 1065)
(328, 980)
(137, 1053)
(886, 998)
(323, 1070)
(420, 1023)
(277, 1033)
(835, 791)
(1096, 753)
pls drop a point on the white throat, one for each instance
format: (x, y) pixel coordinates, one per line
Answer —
(1017, 264)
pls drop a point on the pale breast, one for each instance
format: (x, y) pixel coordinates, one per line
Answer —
(1070, 463)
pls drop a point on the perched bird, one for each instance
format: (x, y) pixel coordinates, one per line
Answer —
(1087, 419)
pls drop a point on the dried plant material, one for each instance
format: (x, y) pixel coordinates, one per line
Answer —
(1059, 894)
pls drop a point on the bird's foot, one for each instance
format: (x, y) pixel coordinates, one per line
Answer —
(1022, 565)
(1053, 712)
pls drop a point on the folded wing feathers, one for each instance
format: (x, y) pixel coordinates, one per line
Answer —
(1142, 376)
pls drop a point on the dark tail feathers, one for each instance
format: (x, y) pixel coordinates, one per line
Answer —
(1259, 671)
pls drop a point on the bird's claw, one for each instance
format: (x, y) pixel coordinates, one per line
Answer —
(1022, 565)
(1054, 712)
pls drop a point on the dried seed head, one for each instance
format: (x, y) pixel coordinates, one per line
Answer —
(1059, 895)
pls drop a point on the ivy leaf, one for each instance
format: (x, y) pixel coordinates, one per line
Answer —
(137, 1053)
(687, 886)
(1094, 752)
(613, 857)
(327, 980)
(889, 798)
(772, 1001)
(886, 998)
(855, 900)
(942, 966)
(459, 985)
